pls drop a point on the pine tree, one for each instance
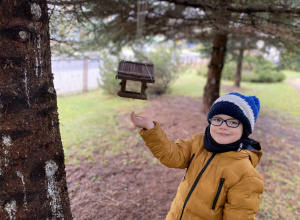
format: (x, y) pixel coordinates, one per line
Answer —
(32, 171)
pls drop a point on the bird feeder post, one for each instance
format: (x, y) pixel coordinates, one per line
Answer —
(123, 85)
(143, 88)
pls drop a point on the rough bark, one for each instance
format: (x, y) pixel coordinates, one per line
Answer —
(212, 87)
(32, 171)
(238, 74)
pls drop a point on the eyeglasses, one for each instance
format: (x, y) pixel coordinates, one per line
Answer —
(232, 123)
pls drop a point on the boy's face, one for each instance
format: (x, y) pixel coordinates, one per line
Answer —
(223, 134)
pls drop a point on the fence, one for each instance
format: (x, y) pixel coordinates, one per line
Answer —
(74, 75)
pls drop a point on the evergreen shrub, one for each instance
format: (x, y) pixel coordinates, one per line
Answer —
(167, 65)
(108, 71)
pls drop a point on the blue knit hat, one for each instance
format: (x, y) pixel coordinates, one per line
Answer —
(243, 108)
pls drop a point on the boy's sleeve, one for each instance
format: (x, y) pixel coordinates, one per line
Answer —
(172, 154)
(243, 199)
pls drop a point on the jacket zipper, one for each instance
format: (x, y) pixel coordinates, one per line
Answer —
(218, 193)
(196, 182)
(190, 162)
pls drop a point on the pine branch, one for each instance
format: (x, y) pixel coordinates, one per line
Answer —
(230, 8)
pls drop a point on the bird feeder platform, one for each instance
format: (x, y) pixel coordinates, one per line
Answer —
(134, 71)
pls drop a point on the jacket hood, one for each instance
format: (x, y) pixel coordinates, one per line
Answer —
(254, 151)
(254, 156)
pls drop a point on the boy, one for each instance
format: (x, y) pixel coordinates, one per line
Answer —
(221, 181)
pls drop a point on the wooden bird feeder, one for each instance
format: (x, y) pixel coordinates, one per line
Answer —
(134, 71)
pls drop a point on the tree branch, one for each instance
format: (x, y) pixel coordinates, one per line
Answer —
(229, 8)
(71, 2)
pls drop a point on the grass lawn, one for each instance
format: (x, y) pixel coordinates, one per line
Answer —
(188, 84)
(88, 123)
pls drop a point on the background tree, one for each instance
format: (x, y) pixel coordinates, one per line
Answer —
(177, 19)
(32, 172)
(237, 46)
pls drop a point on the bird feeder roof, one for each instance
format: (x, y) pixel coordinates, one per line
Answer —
(135, 71)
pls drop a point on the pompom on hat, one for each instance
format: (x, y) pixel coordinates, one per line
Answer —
(238, 106)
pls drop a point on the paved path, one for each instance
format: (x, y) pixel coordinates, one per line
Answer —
(296, 83)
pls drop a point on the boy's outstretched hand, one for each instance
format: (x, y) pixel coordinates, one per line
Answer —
(141, 122)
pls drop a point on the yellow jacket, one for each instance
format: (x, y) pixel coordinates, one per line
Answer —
(215, 186)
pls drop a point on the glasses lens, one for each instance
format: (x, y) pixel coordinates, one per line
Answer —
(216, 121)
(233, 123)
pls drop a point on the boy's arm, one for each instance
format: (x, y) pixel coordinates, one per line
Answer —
(243, 199)
(172, 154)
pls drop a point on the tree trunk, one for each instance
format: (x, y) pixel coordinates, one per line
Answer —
(32, 171)
(237, 78)
(212, 87)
